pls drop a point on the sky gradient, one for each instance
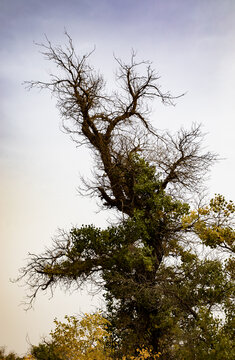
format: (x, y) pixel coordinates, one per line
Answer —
(191, 44)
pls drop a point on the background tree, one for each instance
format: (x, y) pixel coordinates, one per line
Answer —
(161, 265)
(44, 351)
(10, 356)
(76, 338)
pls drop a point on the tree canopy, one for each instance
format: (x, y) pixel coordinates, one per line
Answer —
(166, 265)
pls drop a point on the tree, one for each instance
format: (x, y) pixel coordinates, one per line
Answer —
(44, 351)
(160, 265)
(10, 356)
(82, 339)
(75, 339)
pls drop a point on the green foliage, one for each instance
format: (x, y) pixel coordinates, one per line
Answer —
(158, 289)
(44, 351)
(206, 339)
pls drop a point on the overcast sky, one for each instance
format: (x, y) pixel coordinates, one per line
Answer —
(191, 44)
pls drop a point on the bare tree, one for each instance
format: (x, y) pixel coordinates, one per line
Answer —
(116, 126)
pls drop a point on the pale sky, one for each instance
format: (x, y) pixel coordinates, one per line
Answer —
(191, 44)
